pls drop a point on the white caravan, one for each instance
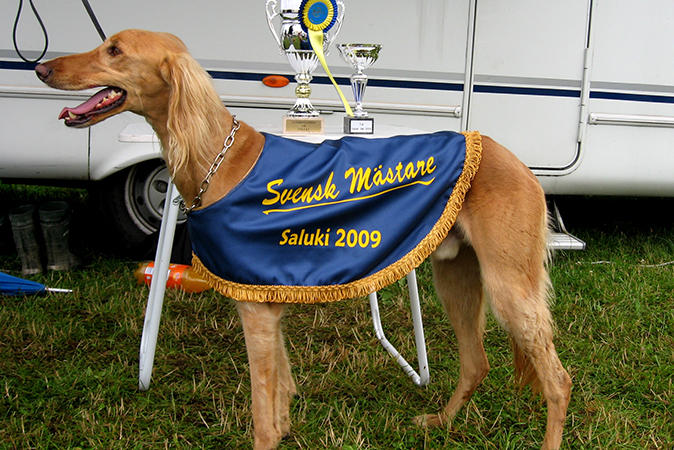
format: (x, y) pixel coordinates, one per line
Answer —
(581, 90)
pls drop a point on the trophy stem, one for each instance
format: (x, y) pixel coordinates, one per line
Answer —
(303, 106)
(358, 85)
(303, 62)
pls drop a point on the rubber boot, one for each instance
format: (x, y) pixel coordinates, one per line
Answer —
(55, 221)
(27, 246)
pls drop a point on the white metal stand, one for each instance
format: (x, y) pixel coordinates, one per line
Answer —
(155, 299)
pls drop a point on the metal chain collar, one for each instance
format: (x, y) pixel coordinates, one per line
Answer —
(229, 141)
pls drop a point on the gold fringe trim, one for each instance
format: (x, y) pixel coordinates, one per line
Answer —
(376, 281)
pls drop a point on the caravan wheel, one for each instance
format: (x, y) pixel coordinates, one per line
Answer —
(132, 202)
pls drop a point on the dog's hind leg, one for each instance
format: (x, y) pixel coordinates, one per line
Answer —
(456, 275)
(505, 220)
(271, 381)
(519, 302)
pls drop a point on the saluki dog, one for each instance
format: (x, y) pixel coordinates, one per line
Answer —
(496, 253)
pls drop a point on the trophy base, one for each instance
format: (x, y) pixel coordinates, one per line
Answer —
(301, 125)
(358, 125)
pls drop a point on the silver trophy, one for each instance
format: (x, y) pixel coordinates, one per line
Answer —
(294, 42)
(360, 57)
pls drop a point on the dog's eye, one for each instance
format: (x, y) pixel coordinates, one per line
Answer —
(114, 51)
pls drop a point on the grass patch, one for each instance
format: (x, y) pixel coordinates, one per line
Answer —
(69, 375)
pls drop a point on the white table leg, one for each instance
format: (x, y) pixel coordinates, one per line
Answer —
(422, 378)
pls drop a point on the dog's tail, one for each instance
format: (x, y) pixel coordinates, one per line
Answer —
(525, 372)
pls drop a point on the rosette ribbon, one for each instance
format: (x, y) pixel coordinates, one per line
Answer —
(317, 17)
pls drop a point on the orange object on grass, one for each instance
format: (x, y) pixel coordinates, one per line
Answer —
(180, 277)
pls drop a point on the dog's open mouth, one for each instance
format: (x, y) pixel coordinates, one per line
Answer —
(102, 102)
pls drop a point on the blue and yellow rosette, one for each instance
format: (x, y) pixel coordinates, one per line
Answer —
(316, 18)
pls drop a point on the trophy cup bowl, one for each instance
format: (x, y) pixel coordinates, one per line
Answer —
(294, 42)
(360, 57)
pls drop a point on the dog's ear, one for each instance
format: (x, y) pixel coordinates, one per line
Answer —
(165, 69)
(192, 109)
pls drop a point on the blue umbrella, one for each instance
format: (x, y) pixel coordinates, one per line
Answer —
(10, 285)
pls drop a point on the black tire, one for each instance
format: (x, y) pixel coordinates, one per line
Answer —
(131, 204)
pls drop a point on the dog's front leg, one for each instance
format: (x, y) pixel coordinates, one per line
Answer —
(271, 381)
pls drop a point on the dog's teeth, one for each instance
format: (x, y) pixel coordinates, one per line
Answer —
(112, 96)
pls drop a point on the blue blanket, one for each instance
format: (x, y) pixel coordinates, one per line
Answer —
(323, 222)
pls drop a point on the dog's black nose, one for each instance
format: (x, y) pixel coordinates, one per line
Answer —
(42, 71)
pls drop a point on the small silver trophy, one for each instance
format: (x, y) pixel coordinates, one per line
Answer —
(294, 42)
(360, 57)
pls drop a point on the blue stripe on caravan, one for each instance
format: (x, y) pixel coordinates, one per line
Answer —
(427, 85)
(513, 90)
(244, 76)
(648, 98)
(14, 65)
(423, 85)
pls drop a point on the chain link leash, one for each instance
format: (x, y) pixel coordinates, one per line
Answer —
(229, 141)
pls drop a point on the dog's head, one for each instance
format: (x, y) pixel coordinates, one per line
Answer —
(133, 67)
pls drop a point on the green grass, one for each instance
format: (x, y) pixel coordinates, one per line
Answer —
(69, 362)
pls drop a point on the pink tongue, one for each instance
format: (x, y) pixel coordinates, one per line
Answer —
(86, 106)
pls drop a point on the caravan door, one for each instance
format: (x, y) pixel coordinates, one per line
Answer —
(528, 68)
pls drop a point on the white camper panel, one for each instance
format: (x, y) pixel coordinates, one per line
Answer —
(628, 140)
(581, 90)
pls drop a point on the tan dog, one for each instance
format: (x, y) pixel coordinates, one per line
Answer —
(496, 253)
